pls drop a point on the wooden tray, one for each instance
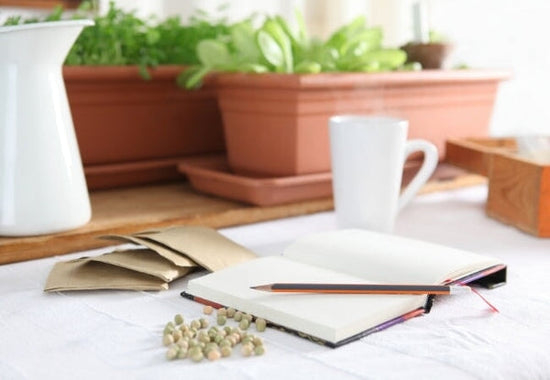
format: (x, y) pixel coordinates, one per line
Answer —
(129, 210)
(519, 188)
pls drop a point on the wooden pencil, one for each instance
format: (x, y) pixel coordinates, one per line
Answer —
(361, 288)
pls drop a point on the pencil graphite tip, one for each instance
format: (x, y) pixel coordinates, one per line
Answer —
(265, 288)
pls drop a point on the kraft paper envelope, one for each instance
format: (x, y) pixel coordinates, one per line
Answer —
(164, 256)
(203, 245)
(84, 274)
(169, 254)
(144, 261)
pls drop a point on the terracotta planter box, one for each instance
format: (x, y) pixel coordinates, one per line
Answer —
(277, 124)
(131, 131)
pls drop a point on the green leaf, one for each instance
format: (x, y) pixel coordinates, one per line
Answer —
(369, 67)
(308, 67)
(389, 58)
(243, 38)
(287, 30)
(369, 39)
(270, 49)
(342, 35)
(273, 28)
(411, 66)
(192, 77)
(253, 68)
(213, 53)
(144, 73)
(302, 31)
(56, 14)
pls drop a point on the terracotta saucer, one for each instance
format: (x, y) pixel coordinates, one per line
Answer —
(213, 176)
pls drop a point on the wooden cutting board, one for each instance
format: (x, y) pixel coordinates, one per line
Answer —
(130, 210)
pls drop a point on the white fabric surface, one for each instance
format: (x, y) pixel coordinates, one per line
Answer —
(117, 334)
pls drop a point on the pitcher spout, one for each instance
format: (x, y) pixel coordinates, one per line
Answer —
(21, 44)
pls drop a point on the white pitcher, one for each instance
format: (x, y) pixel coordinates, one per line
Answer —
(42, 184)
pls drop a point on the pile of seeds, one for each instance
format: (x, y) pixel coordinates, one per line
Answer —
(197, 340)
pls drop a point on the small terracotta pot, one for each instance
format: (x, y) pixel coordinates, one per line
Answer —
(132, 131)
(277, 124)
(429, 55)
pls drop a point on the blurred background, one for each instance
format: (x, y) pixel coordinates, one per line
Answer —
(508, 34)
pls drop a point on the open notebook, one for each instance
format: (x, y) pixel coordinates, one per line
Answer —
(343, 256)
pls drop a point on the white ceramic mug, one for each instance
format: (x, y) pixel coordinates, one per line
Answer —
(368, 155)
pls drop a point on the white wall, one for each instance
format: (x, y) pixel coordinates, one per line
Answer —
(511, 34)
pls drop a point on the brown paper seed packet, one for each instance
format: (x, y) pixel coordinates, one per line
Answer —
(205, 246)
(145, 261)
(84, 274)
(169, 254)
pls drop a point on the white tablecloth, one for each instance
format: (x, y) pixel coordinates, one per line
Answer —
(117, 334)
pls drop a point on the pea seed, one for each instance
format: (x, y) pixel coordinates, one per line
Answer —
(212, 345)
(232, 339)
(249, 317)
(261, 324)
(203, 337)
(227, 330)
(184, 328)
(222, 319)
(258, 341)
(182, 353)
(238, 316)
(167, 339)
(196, 324)
(259, 350)
(207, 309)
(168, 329)
(247, 340)
(225, 343)
(246, 349)
(243, 324)
(171, 354)
(230, 312)
(193, 343)
(226, 351)
(183, 343)
(238, 336)
(173, 346)
(177, 335)
(222, 311)
(178, 319)
(204, 322)
(214, 355)
(196, 354)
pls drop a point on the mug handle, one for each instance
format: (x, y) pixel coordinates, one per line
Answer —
(431, 158)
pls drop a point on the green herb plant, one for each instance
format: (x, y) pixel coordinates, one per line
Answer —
(276, 47)
(122, 38)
